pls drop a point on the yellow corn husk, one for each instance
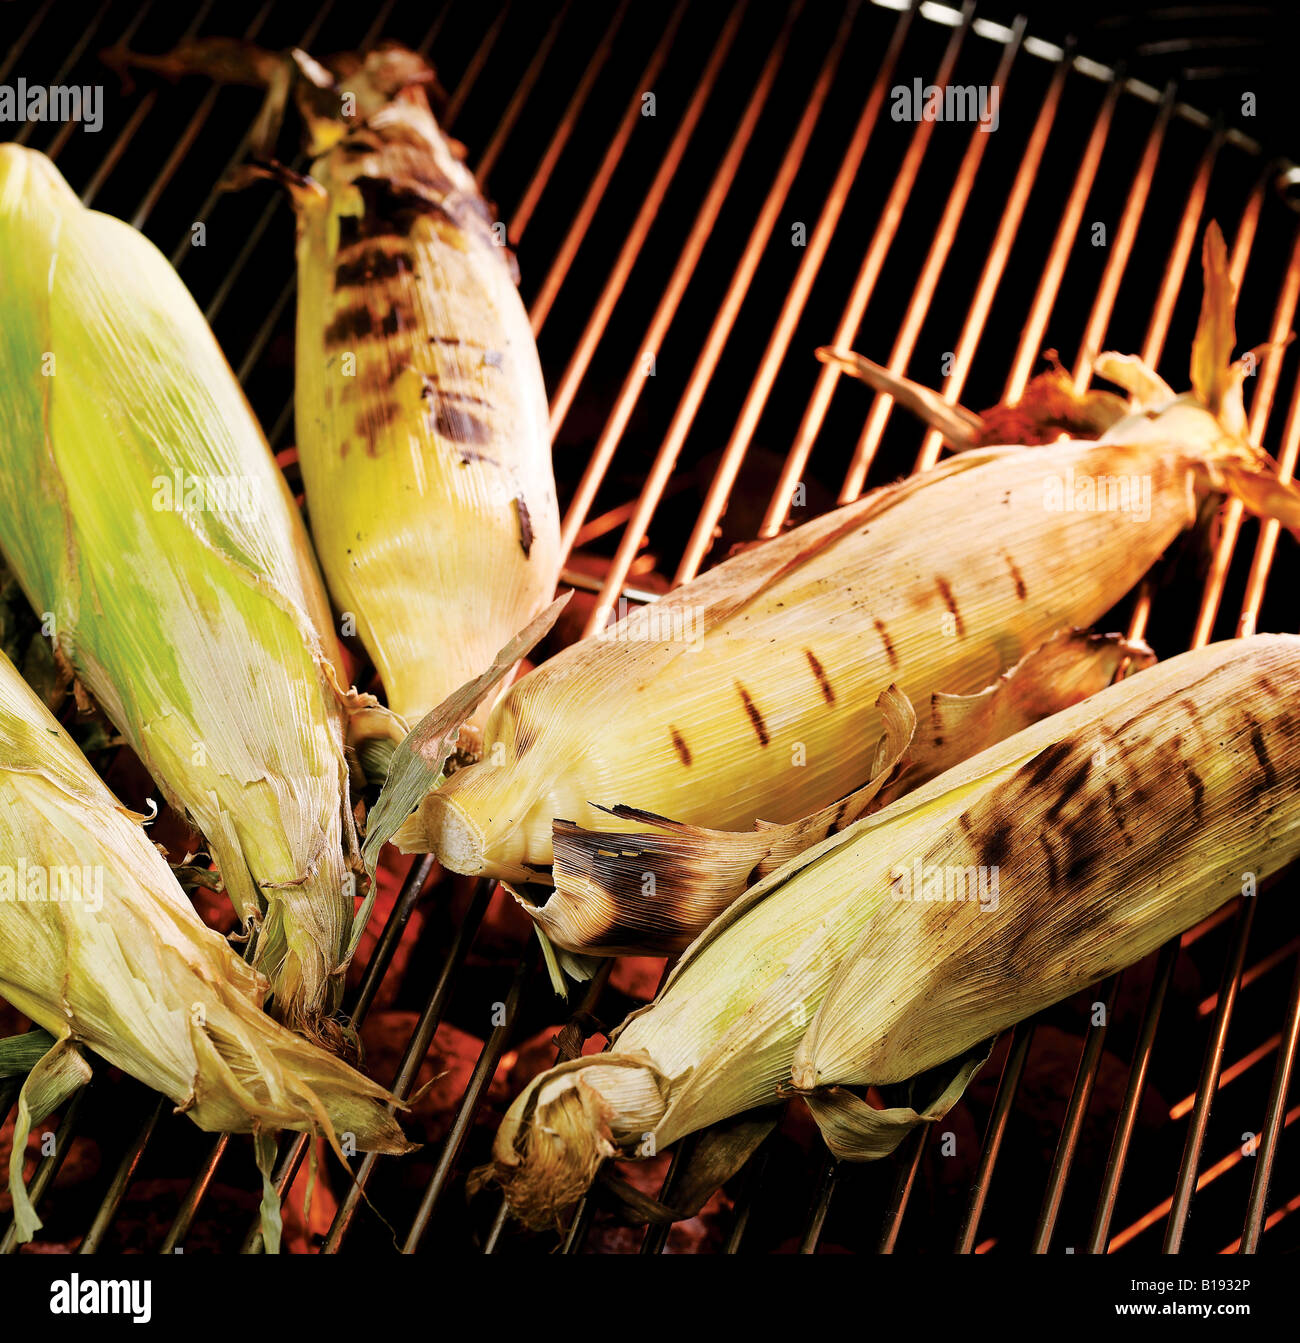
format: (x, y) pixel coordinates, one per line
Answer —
(1117, 823)
(654, 891)
(747, 694)
(142, 512)
(99, 946)
(420, 408)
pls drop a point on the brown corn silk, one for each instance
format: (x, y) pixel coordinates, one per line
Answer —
(1112, 825)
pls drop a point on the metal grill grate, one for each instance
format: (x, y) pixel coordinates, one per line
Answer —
(679, 269)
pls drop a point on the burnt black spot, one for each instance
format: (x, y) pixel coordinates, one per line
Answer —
(884, 639)
(374, 416)
(756, 718)
(1261, 754)
(351, 324)
(1021, 590)
(1198, 791)
(525, 525)
(680, 746)
(964, 821)
(1068, 786)
(945, 591)
(828, 694)
(1053, 876)
(460, 424)
(373, 263)
(1047, 760)
(1117, 811)
(468, 456)
(395, 320)
(997, 844)
(391, 209)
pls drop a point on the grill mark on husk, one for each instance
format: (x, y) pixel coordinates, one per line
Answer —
(370, 264)
(679, 744)
(756, 718)
(885, 639)
(828, 694)
(945, 591)
(1021, 590)
(1261, 754)
(525, 525)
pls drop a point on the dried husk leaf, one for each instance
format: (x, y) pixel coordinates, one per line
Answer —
(124, 966)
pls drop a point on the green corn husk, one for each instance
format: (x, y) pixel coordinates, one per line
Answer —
(100, 947)
(143, 514)
(1118, 823)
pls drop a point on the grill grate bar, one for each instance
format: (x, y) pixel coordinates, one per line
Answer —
(666, 309)
(1221, 1167)
(1137, 1078)
(580, 360)
(20, 45)
(1080, 1095)
(523, 212)
(945, 235)
(908, 1164)
(482, 1075)
(60, 77)
(417, 1047)
(1118, 255)
(1266, 1152)
(520, 97)
(1187, 1182)
(791, 310)
(1049, 286)
(1008, 1084)
(999, 252)
(558, 271)
(863, 286)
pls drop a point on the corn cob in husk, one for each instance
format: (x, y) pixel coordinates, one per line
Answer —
(141, 511)
(99, 945)
(420, 407)
(654, 891)
(1100, 832)
(747, 694)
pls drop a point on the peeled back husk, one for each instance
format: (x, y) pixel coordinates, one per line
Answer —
(144, 516)
(99, 945)
(1102, 813)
